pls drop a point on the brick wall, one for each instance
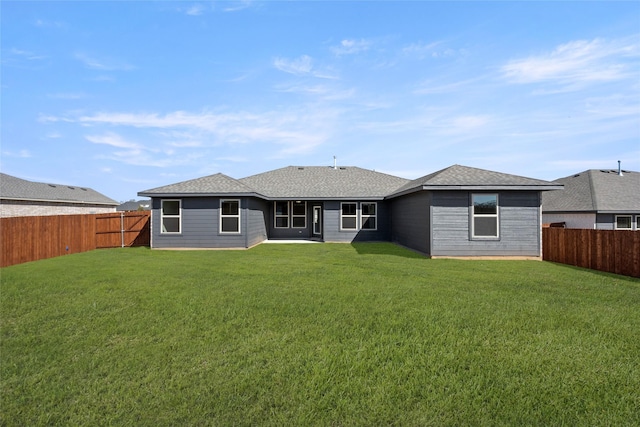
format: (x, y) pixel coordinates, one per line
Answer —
(14, 208)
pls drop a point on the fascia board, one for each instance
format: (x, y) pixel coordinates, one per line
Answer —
(77, 202)
(178, 195)
(619, 211)
(325, 199)
(493, 187)
(477, 188)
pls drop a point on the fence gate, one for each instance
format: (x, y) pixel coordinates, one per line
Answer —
(120, 229)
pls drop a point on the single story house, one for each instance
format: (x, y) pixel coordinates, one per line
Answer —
(457, 211)
(596, 199)
(19, 197)
(134, 205)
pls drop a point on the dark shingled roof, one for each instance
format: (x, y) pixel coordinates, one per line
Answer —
(323, 182)
(350, 182)
(468, 178)
(596, 190)
(12, 188)
(217, 184)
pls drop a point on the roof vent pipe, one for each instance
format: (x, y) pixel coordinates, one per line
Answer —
(619, 168)
(335, 163)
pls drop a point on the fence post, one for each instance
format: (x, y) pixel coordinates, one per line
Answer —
(122, 228)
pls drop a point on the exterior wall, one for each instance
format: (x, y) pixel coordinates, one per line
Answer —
(200, 225)
(411, 222)
(12, 208)
(256, 224)
(608, 221)
(331, 225)
(290, 232)
(600, 221)
(571, 220)
(519, 225)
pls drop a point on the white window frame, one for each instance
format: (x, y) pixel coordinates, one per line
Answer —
(615, 223)
(355, 215)
(276, 216)
(637, 222)
(223, 216)
(364, 217)
(475, 215)
(294, 216)
(163, 216)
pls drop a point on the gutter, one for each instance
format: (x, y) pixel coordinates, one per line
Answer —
(77, 202)
(549, 187)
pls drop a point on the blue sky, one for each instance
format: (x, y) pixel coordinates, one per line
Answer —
(125, 96)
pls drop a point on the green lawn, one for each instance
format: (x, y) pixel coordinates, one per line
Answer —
(325, 334)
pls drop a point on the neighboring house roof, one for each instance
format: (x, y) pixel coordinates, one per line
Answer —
(133, 205)
(13, 188)
(459, 177)
(323, 182)
(595, 190)
(213, 185)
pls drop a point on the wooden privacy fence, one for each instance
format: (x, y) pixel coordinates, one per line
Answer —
(614, 251)
(115, 230)
(31, 238)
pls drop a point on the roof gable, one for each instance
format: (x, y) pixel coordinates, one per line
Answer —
(468, 178)
(324, 182)
(596, 190)
(217, 184)
(13, 188)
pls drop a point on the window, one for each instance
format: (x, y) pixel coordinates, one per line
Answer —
(623, 222)
(229, 216)
(638, 222)
(282, 214)
(348, 216)
(368, 216)
(299, 214)
(170, 216)
(484, 216)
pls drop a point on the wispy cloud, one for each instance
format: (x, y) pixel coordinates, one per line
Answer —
(238, 5)
(320, 91)
(133, 153)
(113, 140)
(436, 49)
(302, 66)
(23, 154)
(103, 78)
(195, 10)
(298, 66)
(431, 86)
(233, 159)
(578, 63)
(44, 23)
(69, 96)
(290, 132)
(352, 46)
(103, 64)
(27, 55)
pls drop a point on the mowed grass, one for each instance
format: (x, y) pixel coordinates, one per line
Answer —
(326, 334)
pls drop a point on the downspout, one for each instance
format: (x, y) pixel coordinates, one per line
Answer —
(540, 231)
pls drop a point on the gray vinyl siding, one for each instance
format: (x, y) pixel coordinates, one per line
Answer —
(200, 225)
(256, 224)
(519, 222)
(332, 232)
(289, 232)
(411, 222)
